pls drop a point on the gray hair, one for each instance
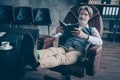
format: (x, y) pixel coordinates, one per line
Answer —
(88, 9)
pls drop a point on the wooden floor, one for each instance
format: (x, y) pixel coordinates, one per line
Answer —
(109, 66)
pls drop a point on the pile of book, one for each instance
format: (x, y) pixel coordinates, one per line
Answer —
(99, 1)
(95, 1)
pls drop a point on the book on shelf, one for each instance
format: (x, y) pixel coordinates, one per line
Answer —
(68, 28)
(116, 12)
(110, 12)
(107, 12)
(104, 11)
(113, 12)
(119, 15)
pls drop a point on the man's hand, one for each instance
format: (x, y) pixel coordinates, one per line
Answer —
(79, 33)
(59, 29)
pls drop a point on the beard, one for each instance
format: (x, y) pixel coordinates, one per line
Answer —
(83, 21)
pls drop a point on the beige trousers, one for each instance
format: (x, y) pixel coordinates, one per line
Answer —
(52, 57)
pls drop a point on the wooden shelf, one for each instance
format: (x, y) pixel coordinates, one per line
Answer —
(110, 32)
(107, 32)
(109, 19)
(106, 4)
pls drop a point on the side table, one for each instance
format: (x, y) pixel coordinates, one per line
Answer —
(10, 60)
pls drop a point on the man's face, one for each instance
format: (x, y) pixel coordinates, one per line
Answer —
(83, 17)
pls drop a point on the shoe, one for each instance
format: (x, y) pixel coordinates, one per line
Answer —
(35, 66)
(27, 67)
(27, 49)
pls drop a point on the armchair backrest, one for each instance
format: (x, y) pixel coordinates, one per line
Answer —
(95, 21)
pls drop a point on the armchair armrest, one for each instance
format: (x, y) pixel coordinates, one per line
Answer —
(49, 39)
(93, 63)
(45, 41)
(94, 50)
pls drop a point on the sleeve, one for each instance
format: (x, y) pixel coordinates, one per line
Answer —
(95, 38)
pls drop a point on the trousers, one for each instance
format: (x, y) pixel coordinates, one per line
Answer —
(53, 57)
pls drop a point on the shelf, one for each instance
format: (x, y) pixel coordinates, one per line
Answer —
(107, 32)
(110, 32)
(111, 13)
(106, 4)
(109, 19)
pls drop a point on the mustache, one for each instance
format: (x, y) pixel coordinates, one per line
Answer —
(83, 20)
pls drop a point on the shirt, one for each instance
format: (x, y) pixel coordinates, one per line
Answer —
(94, 38)
(80, 43)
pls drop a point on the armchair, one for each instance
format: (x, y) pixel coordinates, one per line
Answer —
(91, 63)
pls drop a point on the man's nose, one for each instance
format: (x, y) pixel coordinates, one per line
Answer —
(82, 16)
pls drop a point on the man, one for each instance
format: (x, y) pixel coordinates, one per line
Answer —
(73, 47)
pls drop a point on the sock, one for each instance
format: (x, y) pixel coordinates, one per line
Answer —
(37, 54)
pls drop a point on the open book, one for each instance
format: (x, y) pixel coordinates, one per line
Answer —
(68, 28)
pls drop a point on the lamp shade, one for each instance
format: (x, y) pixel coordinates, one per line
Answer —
(6, 14)
(41, 16)
(23, 15)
